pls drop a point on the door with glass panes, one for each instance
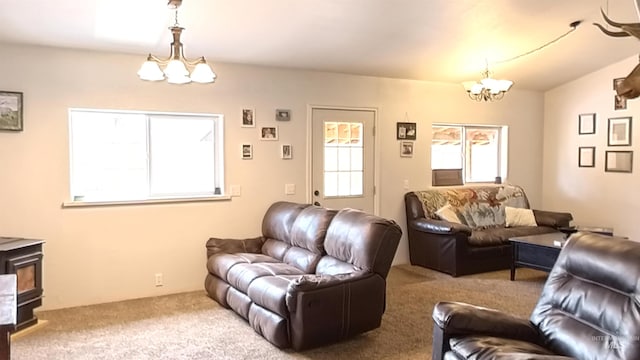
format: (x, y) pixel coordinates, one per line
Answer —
(343, 158)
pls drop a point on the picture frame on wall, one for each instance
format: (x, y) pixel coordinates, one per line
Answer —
(406, 131)
(618, 161)
(406, 148)
(269, 133)
(286, 151)
(586, 124)
(248, 117)
(587, 156)
(11, 116)
(247, 151)
(619, 131)
(283, 115)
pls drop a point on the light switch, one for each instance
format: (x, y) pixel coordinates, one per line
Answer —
(406, 184)
(289, 189)
(236, 190)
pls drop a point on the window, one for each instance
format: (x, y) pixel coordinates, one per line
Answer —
(343, 159)
(128, 156)
(474, 152)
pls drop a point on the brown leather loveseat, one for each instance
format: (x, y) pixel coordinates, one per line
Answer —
(315, 276)
(588, 310)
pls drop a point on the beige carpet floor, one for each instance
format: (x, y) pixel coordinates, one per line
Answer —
(192, 326)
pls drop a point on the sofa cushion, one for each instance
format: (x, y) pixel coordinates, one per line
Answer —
(270, 292)
(499, 236)
(241, 276)
(278, 220)
(489, 347)
(301, 258)
(220, 263)
(310, 228)
(519, 217)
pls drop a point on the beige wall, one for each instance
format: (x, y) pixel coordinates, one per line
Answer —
(595, 197)
(105, 254)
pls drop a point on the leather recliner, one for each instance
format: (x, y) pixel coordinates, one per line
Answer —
(589, 309)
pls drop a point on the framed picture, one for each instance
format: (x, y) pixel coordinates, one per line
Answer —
(286, 152)
(586, 124)
(248, 117)
(283, 115)
(269, 133)
(10, 111)
(618, 161)
(405, 131)
(619, 103)
(619, 131)
(247, 151)
(587, 156)
(406, 148)
(617, 82)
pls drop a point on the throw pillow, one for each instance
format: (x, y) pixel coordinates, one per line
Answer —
(448, 213)
(519, 217)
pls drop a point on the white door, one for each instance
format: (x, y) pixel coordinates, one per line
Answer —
(343, 158)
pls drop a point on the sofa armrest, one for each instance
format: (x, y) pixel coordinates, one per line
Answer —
(439, 226)
(316, 282)
(328, 308)
(457, 318)
(552, 218)
(217, 245)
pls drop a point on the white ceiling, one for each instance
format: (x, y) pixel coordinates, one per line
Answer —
(436, 40)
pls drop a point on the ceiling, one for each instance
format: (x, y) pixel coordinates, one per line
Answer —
(435, 40)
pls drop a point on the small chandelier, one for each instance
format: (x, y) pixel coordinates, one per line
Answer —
(176, 65)
(487, 89)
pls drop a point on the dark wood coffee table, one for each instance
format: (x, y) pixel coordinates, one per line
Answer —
(536, 251)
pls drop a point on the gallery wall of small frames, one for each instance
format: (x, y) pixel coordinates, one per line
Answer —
(618, 156)
(267, 132)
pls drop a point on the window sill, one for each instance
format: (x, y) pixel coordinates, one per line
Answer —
(72, 204)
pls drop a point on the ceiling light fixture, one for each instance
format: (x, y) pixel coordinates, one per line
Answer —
(489, 89)
(176, 65)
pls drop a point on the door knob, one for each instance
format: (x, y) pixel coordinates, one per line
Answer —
(316, 203)
(316, 193)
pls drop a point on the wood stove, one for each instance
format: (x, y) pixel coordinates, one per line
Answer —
(23, 257)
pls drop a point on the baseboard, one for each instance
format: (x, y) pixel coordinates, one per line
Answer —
(24, 332)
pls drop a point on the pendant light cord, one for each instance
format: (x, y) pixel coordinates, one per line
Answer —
(573, 25)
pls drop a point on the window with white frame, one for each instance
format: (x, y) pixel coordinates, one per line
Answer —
(468, 153)
(133, 156)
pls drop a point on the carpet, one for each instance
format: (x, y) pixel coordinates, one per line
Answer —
(192, 326)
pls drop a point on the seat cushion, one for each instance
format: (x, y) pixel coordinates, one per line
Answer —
(220, 263)
(489, 347)
(500, 235)
(241, 276)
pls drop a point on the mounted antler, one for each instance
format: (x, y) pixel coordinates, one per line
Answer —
(628, 88)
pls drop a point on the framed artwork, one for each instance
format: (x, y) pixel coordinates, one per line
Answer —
(619, 103)
(269, 133)
(587, 156)
(618, 161)
(405, 131)
(247, 151)
(248, 117)
(406, 148)
(586, 124)
(11, 111)
(619, 133)
(283, 115)
(286, 152)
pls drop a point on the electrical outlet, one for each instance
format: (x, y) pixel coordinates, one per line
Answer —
(159, 279)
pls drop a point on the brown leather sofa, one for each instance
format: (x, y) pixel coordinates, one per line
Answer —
(461, 249)
(588, 310)
(315, 276)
